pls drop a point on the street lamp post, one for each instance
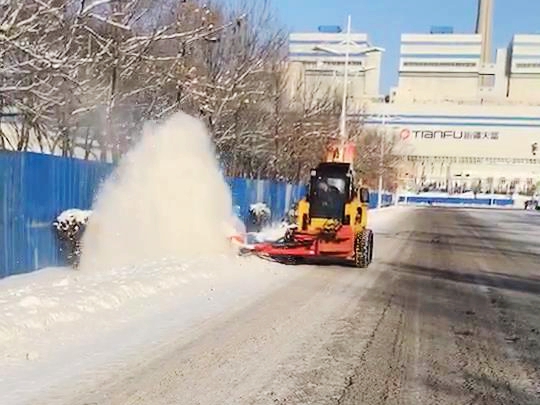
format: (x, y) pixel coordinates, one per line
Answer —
(343, 122)
(381, 162)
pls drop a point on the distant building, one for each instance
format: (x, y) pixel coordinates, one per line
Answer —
(524, 69)
(447, 67)
(317, 61)
(462, 117)
(463, 122)
(451, 67)
(459, 146)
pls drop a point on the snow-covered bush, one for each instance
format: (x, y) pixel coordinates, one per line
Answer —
(260, 215)
(292, 215)
(70, 226)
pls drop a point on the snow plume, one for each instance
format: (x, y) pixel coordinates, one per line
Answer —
(167, 199)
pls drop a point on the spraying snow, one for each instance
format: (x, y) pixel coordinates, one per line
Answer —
(167, 199)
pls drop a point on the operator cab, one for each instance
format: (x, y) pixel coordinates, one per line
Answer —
(331, 187)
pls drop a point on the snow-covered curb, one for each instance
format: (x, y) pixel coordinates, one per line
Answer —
(57, 322)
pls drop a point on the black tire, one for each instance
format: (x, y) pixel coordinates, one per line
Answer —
(371, 245)
(363, 251)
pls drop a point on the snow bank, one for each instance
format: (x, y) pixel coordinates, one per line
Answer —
(466, 194)
(57, 325)
(74, 215)
(260, 209)
(167, 198)
(40, 302)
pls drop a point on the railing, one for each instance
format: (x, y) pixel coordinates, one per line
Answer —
(456, 201)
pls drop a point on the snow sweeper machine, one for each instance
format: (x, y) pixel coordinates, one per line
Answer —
(331, 221)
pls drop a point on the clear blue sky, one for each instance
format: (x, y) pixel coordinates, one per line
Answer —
(385, 20)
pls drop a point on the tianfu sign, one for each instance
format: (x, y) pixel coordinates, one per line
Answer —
(436, 134)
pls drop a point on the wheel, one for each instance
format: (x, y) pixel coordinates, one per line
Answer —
(363, 248)
(371, 245)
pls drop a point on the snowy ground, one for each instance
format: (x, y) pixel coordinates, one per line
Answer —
(58, 325)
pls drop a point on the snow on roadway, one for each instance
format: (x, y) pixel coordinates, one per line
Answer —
(59, 324)
(156, 263)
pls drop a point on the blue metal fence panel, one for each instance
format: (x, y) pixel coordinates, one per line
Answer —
(35, 188)
(11, 218)
(387, 199)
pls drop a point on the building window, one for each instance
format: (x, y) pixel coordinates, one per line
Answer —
(528, 65)
(472, 160)
(487, 80)
(440, 64)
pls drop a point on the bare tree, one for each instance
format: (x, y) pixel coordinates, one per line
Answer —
(82, 77)
(368, 158)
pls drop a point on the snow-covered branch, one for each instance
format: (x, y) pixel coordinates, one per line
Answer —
(84, 76)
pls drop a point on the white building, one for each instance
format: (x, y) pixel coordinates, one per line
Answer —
(461, 116)
(460, 120)
(449, 67)
(451, 144)
(524, 69)
(438, 67)
(317, 61)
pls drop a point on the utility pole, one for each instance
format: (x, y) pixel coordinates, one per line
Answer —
(343, 121)
(381, 163)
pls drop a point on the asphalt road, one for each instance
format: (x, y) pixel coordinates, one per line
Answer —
(449, 313)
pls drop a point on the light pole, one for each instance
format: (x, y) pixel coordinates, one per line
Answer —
(343, 121)
(381, 163)
(348, 43)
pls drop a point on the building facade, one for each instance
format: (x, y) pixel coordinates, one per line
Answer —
(524, 69)
(316, 64)
(438, 67)
(451, 146)
(461, 119)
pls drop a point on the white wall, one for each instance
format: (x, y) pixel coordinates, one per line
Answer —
(525, 88)
(524, 84)
(11, 137)
(436, 88)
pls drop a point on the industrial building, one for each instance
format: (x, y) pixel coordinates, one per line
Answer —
(317, 65)
(458, 146)
(462, 116)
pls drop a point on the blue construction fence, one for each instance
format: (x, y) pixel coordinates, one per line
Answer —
(35, 188)
(457, 201)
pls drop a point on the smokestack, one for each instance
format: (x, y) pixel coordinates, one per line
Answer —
(484, 27)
